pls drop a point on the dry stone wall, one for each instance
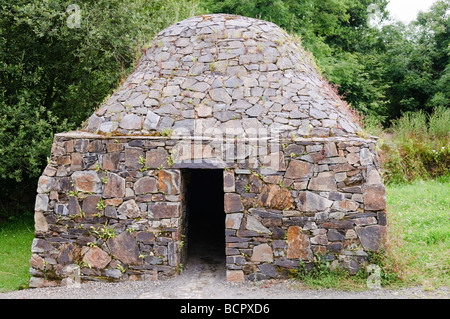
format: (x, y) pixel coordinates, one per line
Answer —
(329, 201)
(112, 208)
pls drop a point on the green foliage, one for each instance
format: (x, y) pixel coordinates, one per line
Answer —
(416, 62)
(16, 236)
(59, 60)
(55, 70)
(419, 231)
(104, 232)
(417, 147)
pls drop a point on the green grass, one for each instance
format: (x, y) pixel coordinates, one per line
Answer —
(15, 252)
(419, 218)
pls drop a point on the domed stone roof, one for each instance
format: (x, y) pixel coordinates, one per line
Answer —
(211, 74)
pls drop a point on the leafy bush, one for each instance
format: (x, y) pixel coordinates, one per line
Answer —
(417, 146)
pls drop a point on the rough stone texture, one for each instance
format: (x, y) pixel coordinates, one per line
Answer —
(130, 209)
(276, 197)
(89, 205)
(299, 169)
(145, 185)
(235, 276)
(115, 186)
(298, 244)
(374, 197)
(96, 258)
(157, 158)
(233, 221)
(87, 181)
(232, 203)
(371, 236)
(262, 253)
(311, 202)
(164, 210)
(320, 202)
(245, 68)
(124, 248)
(169, 182)
(323, 182)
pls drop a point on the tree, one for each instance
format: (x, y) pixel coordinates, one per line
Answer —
(416, 62)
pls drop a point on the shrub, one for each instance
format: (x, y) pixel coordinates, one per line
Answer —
(416, 146)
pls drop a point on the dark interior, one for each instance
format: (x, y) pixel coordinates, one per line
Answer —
(205, 216)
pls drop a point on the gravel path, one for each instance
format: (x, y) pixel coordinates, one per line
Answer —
(207, 281)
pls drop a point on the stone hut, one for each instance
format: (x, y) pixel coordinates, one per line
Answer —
(226, 131)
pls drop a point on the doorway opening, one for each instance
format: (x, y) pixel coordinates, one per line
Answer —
(205, 216)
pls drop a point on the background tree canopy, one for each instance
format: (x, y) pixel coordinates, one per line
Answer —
(60, 59)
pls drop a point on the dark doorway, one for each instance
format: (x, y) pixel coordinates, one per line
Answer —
(205, 216)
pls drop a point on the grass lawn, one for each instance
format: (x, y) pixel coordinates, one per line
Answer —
(15, 252)
(418, 241)
(419, 233)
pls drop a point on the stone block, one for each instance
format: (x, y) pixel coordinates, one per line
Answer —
(129, 209)
(228, 181)
(235, 276)
(45, 184)
(311, 202)
(110, 161)
(124, 248)
(151, 121)
(365, 157)
(275, 197)
(299, 169)
(157, 158)
(133, 157)
(164, 210)
(298, 244)
(373, 177)
(268, 270)
(41, 203)
(73, 206)
(346, 205)
(220, 95)
(375, 197)
(352, 158)
(87, 181)
(233, 203)
(372, 237)
(97, 258)
(115, 186)
(145, 185)
(89, 205)
(40, 246)
(262, 253)
(169, 182)
(323, 182)
(233, 221)
(40, 223)
(131, 122)
(254, 224)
